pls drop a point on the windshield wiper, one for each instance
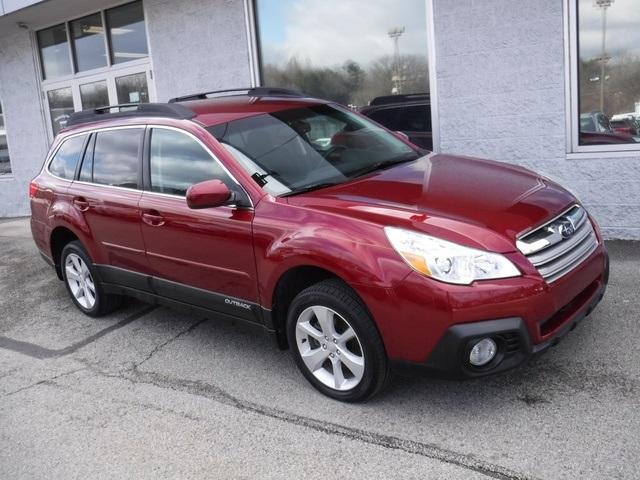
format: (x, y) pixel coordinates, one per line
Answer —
(385, 164)
(308, 188)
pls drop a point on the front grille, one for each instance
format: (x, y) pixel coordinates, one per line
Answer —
(558, 246)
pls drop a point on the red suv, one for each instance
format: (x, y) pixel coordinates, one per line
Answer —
(338, 237)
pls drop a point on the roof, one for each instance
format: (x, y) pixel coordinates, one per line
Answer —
(207, 111)
(214, 111)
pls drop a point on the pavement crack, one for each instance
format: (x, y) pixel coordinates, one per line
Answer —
(160, 346)
(45, 381)
(219, 395)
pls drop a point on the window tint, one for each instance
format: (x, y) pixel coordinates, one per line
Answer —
(415, 118)
(66, 158)
(178, 161)
(86, 170)
(115, 157)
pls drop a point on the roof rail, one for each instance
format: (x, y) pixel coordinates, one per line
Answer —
(389, 99)
(250, 91)
(130, 110)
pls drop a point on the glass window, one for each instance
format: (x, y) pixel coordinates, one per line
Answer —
(64, 162)
(305, 148)
(86, 170)
(318, 48)
(127, 32)
(5, 164)
(608, 71)
(94, 95)
(177, 161)
(88, 42)
(54, 52)
(60, 107)
(115, 157)
(132, 88)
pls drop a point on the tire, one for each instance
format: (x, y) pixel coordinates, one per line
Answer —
(335, 342)
(83, 282)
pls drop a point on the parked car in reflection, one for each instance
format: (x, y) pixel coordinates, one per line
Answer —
(627, 126)
(596, 129)
(409, 114)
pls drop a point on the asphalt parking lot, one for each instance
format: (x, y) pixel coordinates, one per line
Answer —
(149, 392)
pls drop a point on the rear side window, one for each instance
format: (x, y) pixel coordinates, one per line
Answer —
(415, 118)
(65, 160)
(177, 161)
(115, 157)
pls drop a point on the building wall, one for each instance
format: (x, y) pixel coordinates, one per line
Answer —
(501, 95)
(197, 45)
(26, 135)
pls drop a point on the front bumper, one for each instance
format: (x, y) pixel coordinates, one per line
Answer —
(430, 324)
(450, 357)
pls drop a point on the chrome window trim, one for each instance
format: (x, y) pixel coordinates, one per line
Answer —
(143, 126)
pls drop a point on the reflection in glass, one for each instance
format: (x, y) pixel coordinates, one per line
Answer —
(132, 88)
(88, 42)
(94, 95)
(5, 164)
(54, 52)
(115, 157)
(349, 51)
(609, 71)
(178, 161)
(60, 107)
(64, 162)
(127, 32)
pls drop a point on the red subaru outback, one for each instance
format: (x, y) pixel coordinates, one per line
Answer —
(351, 246)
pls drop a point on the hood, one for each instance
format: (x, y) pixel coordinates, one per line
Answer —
(475, 202)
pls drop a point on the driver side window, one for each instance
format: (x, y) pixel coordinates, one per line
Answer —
(178, 161)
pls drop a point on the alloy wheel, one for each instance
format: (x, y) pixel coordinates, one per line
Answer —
(330, 348)
(80, 281)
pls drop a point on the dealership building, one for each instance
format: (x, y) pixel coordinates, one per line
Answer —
(552, 85)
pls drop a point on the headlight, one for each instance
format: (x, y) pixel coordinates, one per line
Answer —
(447, 261)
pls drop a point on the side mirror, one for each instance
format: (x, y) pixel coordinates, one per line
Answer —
(208, 194)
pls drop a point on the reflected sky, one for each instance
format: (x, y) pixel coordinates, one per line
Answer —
(623, 28)
(329, 32)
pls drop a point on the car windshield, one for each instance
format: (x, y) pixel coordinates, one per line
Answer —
(301, 149)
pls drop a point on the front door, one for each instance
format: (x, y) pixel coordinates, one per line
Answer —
(200, 257)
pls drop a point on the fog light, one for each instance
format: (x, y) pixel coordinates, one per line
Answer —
(483, 352)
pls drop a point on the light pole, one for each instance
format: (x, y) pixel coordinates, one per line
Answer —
(395, 34)
(603, 5)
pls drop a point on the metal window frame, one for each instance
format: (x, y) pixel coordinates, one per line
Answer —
(108, 73)
(572, 96)
(256, 80)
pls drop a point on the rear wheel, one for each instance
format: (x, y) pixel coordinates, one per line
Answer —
(83, 283)
(335, 342)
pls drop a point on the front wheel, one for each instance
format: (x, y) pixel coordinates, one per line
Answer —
(335, 342)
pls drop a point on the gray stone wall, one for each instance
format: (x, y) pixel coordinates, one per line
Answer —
(197, 45)
(501, 95)
(26, 135)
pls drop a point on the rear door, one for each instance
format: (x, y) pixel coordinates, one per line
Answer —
(201, 257)
(106, 194)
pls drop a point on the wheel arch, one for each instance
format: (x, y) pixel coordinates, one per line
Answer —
(60, 236)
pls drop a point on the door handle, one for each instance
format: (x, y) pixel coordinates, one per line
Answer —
(153, 218)
(81, 204)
